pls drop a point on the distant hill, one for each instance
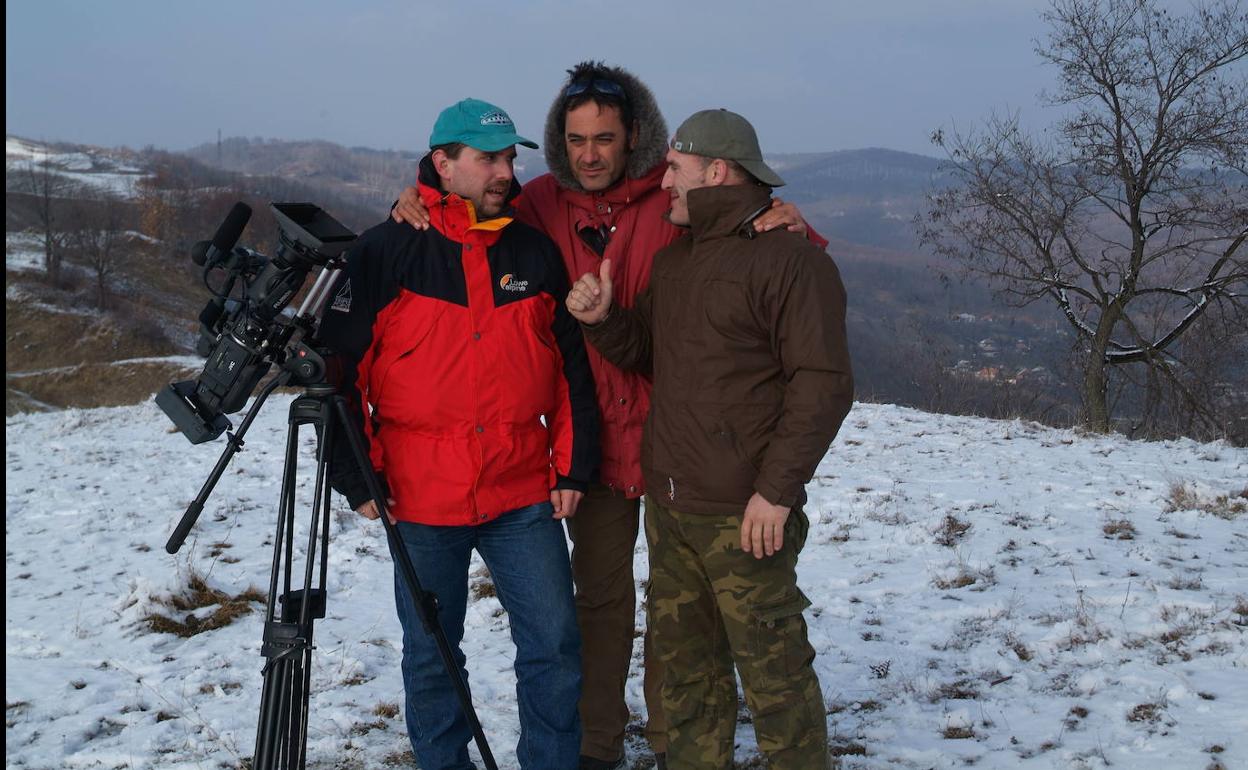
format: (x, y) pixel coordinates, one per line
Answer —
(865, 196)
(870, 172)
(364, 176)
(919, 335)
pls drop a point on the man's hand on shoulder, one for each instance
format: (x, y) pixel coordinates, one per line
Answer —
(781, 214)
(762, 528)
(409, 209)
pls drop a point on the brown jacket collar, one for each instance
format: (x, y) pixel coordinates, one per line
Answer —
(715, 212)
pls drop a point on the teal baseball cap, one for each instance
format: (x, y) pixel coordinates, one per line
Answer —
(478, 124)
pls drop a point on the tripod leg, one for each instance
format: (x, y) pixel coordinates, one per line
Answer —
(279, 640)
(281, 734)
(426, 604)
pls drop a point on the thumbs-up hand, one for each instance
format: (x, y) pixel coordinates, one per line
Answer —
(590, 298)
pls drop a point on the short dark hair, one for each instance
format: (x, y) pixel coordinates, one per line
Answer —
(452, 149)
(586, 73)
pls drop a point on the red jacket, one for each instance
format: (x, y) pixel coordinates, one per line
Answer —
(459, 340)
(634, 209)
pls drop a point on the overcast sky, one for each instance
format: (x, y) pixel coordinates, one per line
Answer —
(811, 76)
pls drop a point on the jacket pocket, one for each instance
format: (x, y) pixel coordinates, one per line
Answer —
(778, 642)
(724, 473)
(727, 311)
(735, 441)
(403, 337)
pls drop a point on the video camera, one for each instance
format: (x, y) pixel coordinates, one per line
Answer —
(243, 336)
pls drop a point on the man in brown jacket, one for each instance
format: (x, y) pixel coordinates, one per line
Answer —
(744, 334)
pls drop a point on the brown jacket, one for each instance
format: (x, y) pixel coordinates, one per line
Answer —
(745, 338)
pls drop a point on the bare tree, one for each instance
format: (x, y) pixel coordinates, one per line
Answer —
(1131, 216)
(40, 179)
(97, 238)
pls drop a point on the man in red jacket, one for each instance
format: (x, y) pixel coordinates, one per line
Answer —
(605, 142)
(470, 381)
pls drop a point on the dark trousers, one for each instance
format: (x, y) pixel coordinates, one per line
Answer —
(604, 538)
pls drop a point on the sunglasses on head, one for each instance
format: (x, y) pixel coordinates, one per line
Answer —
(595, 85)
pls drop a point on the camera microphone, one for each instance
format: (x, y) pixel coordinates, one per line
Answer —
(227, 235)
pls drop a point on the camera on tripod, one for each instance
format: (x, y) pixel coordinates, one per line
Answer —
(242, 337)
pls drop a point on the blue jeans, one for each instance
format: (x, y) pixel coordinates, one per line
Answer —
(527, 556)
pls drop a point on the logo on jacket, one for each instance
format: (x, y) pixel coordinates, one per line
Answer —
(495, 119)
(509, 283)
(342, 300)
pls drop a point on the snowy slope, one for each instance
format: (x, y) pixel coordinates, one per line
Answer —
(996, 594)
(96, 170)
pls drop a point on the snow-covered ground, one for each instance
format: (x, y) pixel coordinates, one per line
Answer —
(23, 252)
(96, 170)
(994, 594)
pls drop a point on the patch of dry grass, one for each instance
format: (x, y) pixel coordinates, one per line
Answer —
(386, 710)
(38, 337)
(1145, 712)
(483, 589)
(196, 596)
(1185, 498)
(1119, 529)
(364, 728)
(965, 576)
(847, 750)
(951, 530)
(1180, 583)
(85, 386)
(962, 689)
(1017, 646)
(1240, 610)
(399, 759)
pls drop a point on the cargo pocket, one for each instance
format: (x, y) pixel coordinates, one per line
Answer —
(796, 528)
(778, 636)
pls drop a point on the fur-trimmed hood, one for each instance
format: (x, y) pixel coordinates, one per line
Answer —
(651, 131)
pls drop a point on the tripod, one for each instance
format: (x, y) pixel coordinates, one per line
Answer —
(296, 600)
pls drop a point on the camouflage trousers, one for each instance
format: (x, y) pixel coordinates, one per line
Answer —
(712, 605)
